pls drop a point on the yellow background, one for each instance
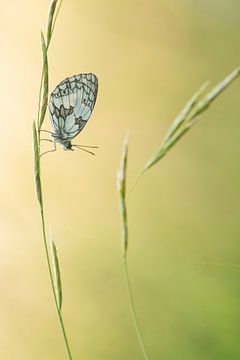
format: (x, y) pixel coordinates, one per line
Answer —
(149, 56)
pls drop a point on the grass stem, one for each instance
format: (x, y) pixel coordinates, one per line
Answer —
(42, 107)
(60, 318)
(133, 310)
(121, 186)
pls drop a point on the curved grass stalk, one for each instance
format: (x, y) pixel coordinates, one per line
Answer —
(180, 126)
(133, 311)
(121, 185)
(42, 107)
(54, 288)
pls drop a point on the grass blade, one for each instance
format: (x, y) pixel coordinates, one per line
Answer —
(190, 120)
(55, 18)
(56, 274)
(36, 159)
(44, 83)
(215, 92)
(182, 116)
(43, 99)
(50, 20)
(121, 186)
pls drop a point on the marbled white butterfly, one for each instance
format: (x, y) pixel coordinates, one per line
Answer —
(71, 105)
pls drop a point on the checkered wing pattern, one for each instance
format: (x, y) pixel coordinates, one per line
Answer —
(71, 105)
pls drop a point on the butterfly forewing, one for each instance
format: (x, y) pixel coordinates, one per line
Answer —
(71, 104)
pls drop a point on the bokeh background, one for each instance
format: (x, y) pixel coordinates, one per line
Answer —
(150, 56)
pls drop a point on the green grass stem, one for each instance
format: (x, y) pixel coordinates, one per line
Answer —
(179, 127)
(121, 186)
(54, 274)
(133, 311)
(60, 318)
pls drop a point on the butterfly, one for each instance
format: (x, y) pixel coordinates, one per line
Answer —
(71, 105)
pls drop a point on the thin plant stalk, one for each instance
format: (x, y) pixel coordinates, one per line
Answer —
(133, 311)
(121, 185)
(58, 308)
(180, 126)
(42, 107)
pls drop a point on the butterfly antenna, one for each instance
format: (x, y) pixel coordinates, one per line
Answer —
(87, 146)
(82, 148)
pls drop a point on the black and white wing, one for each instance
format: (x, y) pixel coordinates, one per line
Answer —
(71, 104)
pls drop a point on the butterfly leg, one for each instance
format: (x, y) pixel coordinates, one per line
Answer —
(46, 140)
(49, 132)
(55, 148)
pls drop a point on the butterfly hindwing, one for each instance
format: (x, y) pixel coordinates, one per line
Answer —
(71, 104)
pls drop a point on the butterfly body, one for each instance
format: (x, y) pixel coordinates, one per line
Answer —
(71, 105)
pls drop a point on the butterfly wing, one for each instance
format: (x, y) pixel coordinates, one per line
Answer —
(71, 105)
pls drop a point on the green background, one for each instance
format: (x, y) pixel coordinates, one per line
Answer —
(150, 56)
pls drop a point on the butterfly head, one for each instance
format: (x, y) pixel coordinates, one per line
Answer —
(67, 145)
(64, 142)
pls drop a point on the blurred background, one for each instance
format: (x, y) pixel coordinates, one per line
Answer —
(150, 56)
